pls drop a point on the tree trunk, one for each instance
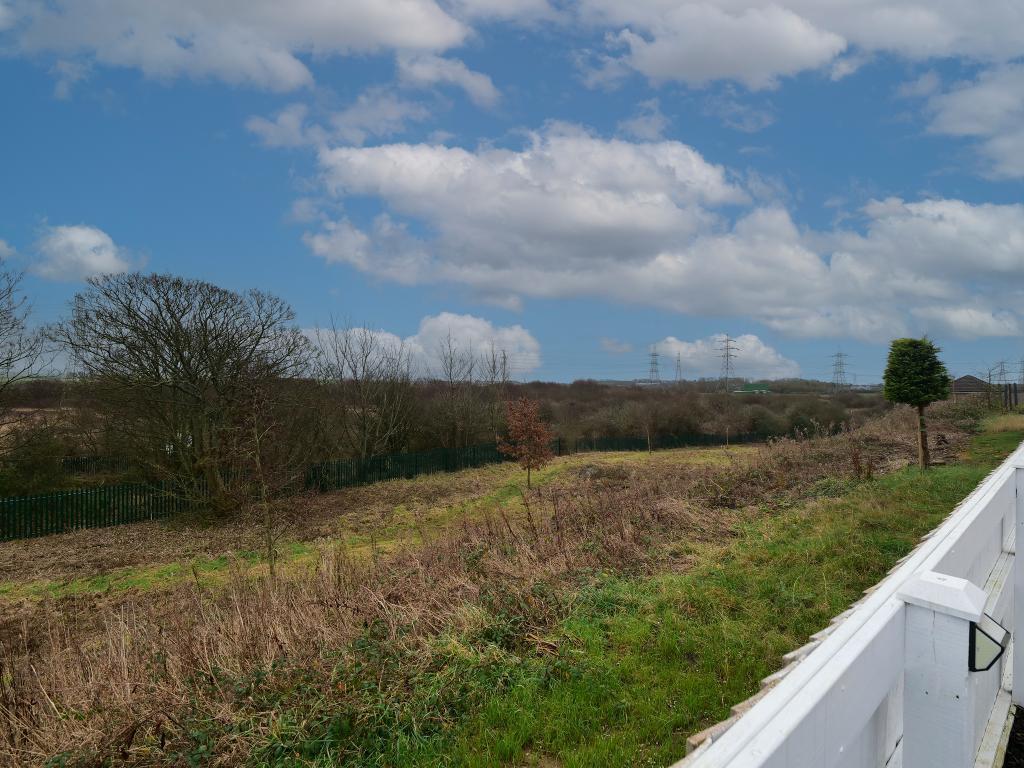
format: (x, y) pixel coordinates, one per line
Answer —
(527, 477)
(922, 439)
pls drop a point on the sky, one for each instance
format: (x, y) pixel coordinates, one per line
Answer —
(576, 182)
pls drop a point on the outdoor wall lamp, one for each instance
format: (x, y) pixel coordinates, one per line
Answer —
(986, 643)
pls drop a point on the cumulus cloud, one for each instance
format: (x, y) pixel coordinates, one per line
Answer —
(424, 70)
(76, 252)
(703, 357)
(475, 335)
(653, 223)
(266, 43)
(566, 200)
(990, 109)
(757, 42)
(648, 124)
(466, 335)
(698, 43)
(251, 42)
(376, 113)
(285, 129)
(969, 322)
(920, 87)
(510, 10)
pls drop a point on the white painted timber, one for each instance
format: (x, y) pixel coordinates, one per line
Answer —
(1017, 620)
(848, 698)
(946, 594)
(939, 697)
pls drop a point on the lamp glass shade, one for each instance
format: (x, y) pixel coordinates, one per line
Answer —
(987, 642)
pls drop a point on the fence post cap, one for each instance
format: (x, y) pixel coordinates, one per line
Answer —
(945, 594)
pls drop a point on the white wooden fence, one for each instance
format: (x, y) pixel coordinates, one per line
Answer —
(887, 683)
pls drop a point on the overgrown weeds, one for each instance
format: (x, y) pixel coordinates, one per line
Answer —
(376, 661)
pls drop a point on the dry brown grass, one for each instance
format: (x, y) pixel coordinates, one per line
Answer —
(121, 687)
(1008, 422)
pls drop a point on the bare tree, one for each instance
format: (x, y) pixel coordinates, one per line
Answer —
(372, 374)
(276, 442)
(462, 412)
(174, 361)
(21, 356)
(495, 381)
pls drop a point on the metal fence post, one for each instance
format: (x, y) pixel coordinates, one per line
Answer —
(939, 722)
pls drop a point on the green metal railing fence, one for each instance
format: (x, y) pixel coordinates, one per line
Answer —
(663, 442)
(75, 465)
(23, 517)
(333, 475)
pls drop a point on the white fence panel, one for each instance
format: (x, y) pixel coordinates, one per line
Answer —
(845, 704)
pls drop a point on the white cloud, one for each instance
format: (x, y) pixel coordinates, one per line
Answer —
(616, 347)
(267, 43)
(68, 74)
(286, 129)
(920, 87)
(6, 250)
(511, 10)
(469, 336)
(969, 322)
(566, 199)
(251, 42)
(756, 42)
(376, 113)
(648, 124)
(76, 252)
(846, 65)
(703, 357)
(424, 70)
(990, 109)
(389, 251)
(737, 114)
(655, 224)
(698, 43)
(475, 335)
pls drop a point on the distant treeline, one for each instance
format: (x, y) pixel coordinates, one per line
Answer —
(222, 394)
(73, 436)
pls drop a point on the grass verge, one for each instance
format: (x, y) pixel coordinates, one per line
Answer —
(636, 664)
(501, 487)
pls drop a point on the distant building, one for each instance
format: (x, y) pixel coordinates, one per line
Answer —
(753, 388)
(971, 385)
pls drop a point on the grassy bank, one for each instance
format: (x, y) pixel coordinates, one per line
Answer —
(366, 521)
(596, 621)
(638, 663)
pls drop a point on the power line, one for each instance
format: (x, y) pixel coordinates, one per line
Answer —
(728, 349)
(653, 374)
(839, 380)
(1000, 373)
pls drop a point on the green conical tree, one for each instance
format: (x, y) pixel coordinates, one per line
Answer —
(914, 375)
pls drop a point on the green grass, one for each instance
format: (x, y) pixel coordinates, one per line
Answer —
(403, 528)
(641, 663)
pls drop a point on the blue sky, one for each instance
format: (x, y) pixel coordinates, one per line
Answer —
(572, 180)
